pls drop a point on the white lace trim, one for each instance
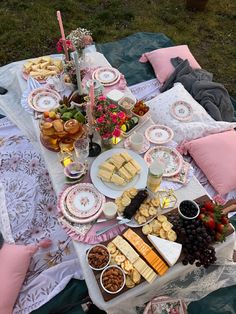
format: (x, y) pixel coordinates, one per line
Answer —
(5, 226)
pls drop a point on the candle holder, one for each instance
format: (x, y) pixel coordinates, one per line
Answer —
(94, 148)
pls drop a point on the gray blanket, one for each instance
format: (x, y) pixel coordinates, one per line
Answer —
(212, 96)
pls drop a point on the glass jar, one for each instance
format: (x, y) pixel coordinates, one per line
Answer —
(155, 174)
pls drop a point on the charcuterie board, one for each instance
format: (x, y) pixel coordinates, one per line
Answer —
(144, 238)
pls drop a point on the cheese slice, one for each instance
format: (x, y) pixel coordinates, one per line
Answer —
(124, 174)
(104, 175)
(169, 250)
(136, 165)
(126, 156)
(117, 179)
(131, 169)
(107, 166)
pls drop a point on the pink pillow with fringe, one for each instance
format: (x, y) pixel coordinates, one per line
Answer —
(14, 263)
(160, 60)
(216, 156)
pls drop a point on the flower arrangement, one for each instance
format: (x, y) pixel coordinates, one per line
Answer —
(108, 118)
(80, 38)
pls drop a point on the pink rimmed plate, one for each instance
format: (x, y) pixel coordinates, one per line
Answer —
(64, 210)
(181, 110)
(84, 201)
(169, 156)
(37, 91)
(45, 101)
(159, 134)
(146, 145)
(106, 75)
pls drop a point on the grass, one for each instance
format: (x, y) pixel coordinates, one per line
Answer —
(30, 28)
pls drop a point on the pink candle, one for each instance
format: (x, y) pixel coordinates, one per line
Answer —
(62, 34)
(61, 25)
(91, 96)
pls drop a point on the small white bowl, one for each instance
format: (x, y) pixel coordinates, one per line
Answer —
(110, 210)
(124, 279)
(128, 100)
(78, 166)
(109, 259)
(193, 204)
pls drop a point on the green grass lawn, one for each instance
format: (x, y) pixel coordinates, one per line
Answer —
(30, 28)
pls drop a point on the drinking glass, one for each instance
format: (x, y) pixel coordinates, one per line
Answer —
(81, 147)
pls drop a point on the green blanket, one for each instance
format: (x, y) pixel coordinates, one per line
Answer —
(124, 55)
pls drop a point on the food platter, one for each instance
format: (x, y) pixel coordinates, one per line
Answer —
(169, 156)
(52, 98)
(140, 247)
(41, 68)
(182, 111)
(110, 189)
(159, 134)
(70, 216)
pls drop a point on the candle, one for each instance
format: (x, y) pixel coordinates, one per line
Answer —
(77, 68)
(89, 118)
(91, 95)
(62, 34)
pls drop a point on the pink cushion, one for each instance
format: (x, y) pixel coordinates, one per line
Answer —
(14, 263)
(216, 156)
(160, 60)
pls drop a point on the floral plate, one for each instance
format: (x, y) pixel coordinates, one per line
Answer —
(69, 216)
(84, 200)
(159, 134)
(106, 75)
(146, 145)
(45, 101)
(37, 91)
(181, 111)
(169, 156)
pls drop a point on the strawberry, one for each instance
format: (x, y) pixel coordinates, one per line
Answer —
(220, 228)
(203, 209)
(224, 220)
(209, 205)
(201, 217)
(209, 222)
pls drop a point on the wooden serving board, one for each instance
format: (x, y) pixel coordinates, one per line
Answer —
(107, 296)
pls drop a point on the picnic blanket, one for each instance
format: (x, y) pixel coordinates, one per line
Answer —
(213, 96)
(31, 210)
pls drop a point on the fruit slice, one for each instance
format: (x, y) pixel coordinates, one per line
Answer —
(169, 250)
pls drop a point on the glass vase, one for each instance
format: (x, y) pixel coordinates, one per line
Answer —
(106, 143)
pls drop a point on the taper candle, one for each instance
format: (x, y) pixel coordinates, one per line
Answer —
(62, 35)
(78, 76)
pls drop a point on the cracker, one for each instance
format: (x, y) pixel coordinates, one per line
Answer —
(111, 247)
(162, 218)
(147, 229)
(129, 282)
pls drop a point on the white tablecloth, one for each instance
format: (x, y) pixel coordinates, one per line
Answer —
(11, 78)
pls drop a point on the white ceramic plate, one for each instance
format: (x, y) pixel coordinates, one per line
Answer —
(159, 134)
(63, 208)
(84, 200)
(45, 101)
(106, 75)
(111, 190)
(37, 91)
(181, 111)
(169, 156)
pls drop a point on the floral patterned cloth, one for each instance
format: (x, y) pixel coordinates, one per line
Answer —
(31, 207)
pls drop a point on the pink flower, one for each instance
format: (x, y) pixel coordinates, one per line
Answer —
(112, 106)
(69, 45)
(87, 40)
(121, 115)
(116, 132)
(101, 98)
(99, 108)
(100, 120)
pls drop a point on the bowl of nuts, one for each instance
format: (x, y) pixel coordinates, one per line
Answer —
(112, 279)
(98, 257)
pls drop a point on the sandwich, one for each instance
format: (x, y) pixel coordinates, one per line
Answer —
(104, 175)
(116, 179)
